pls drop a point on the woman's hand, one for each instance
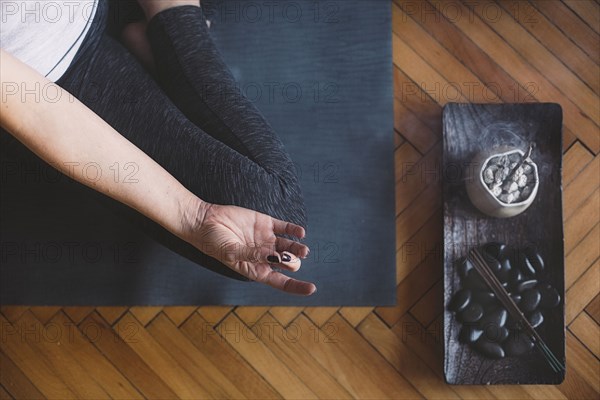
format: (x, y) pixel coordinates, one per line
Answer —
(247, 242)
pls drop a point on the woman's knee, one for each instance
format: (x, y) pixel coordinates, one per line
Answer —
(289, 201)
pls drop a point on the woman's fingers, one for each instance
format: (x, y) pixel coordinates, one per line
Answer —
(299, 249)
(284, 259)
(287, 228)
(289, 285)
(290, 262)
(267, 255)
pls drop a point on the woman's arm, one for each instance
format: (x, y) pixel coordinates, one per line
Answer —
(73, 139)
(69, 136)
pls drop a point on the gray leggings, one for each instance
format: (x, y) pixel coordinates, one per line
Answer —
(190, 118)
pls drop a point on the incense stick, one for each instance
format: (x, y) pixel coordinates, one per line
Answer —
(490, 279)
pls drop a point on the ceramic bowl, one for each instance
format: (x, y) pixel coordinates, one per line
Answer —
(482, 197)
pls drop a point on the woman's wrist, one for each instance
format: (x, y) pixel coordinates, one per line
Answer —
(192, 211)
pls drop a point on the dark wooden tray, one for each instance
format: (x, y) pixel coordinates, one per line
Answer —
(468, 129)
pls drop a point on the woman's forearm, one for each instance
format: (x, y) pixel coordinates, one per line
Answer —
(73, 139)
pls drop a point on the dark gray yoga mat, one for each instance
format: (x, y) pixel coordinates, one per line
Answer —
(322, 74)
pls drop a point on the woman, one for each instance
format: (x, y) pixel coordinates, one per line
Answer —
(209, 170)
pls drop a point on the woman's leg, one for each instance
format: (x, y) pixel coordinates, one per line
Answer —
(192, 72)
(112, 83)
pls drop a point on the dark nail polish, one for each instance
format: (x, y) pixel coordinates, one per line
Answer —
(273, 259)
(286, 257)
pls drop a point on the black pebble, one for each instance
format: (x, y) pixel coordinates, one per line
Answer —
(469, 334)
(507, 253)
(525, 264)
(495, 249)
(524, 285)
(535, 259)
(535, 319)
(503, 335)
(464, 266)
(517, 260)
(475, 281)
(512, 323)
(516, 275)
(472, 313)
(495, 334)
(491, 261)
(550, 297)
(516, 298)
(494, 319)
(484, 297)
(530, 299)
(505, 272)
(517, 344)
(460, 301)
(489, 349)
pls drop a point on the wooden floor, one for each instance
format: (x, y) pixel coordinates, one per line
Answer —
(545, 51)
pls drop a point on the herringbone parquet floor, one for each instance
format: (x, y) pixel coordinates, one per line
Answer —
(477, 51)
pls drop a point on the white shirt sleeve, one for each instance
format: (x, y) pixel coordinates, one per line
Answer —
(45, 35)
